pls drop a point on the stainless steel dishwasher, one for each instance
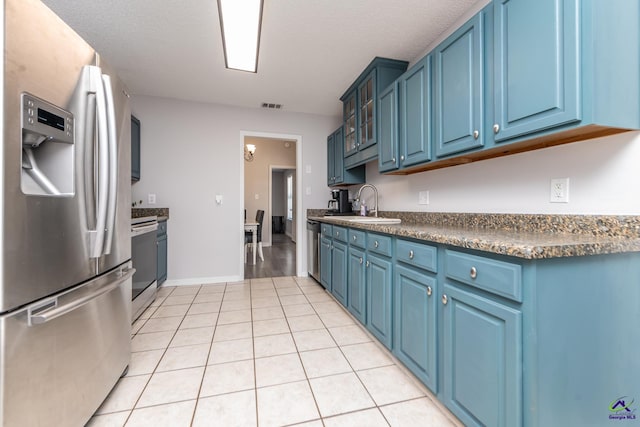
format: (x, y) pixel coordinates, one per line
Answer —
(313, 249)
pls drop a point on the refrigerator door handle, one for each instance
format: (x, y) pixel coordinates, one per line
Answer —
(113, 164)
(97, 236)
(56, 311)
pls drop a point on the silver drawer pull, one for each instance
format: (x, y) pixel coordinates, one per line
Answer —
(476, 134)
(429, 291)
(445, 299)
(473, 273)
(368, 263)
(355, 238)
(496, 128)
(410, 254)
(360, 260)
(375, 244)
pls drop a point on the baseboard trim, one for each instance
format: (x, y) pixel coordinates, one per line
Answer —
(201, 280)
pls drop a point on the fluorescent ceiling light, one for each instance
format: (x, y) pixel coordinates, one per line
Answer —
(240, 21)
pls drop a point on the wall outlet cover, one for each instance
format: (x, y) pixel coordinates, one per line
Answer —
(423, 197)
(559, 192)
(151, 199)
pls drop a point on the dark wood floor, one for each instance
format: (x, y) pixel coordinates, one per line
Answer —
(279, 259)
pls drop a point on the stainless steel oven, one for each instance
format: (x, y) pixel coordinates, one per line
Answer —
(313, 245)
(144, 255)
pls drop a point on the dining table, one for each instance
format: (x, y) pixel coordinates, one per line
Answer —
(253, 228)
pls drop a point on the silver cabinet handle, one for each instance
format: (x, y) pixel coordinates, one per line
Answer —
(368, 264)
(429, 291)
(473, 273)
(401, 158)
(445, 299)
(360, 260)
(355, 238)
(375, 244)
(496, 128)
(393, 160)
(337, 233)
(410, 254)
(476, 134)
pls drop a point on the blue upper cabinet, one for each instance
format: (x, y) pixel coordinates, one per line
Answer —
(459, 89)
(336, 173)
(359, 110)
(388, 129)
(415, 119)
(405, 119)
(536, 66)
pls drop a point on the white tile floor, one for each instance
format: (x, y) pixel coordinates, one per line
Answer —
(265, 352)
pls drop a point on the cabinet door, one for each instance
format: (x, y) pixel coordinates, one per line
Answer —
(388, 130)
(161, 275)
(415, 114)
(415, 323)
(367, 112)
(459, 89)
(331, 160)
(350, 126)
(135, 149)
(482, 359)
(338, 157)
(379, 286)
(356, 284)
(339, 271)
(537, 73)
(325, 262)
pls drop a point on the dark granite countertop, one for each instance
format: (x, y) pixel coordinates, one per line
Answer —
(161, 213)
(522, 236)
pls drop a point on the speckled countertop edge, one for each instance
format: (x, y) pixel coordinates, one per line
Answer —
(521, 236)
(161, 213)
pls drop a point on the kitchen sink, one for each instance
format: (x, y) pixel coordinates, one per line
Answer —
(366, 219)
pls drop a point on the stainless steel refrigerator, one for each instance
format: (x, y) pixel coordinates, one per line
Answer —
(65, 269)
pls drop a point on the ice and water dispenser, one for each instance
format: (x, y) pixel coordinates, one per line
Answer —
(47, 148)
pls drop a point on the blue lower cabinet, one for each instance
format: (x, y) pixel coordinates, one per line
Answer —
(325, 262)
(379, 294)
(482, 363)
(339, 272)
(356, 281)
(415, 334)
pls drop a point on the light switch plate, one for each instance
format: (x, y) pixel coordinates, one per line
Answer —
(151, 199)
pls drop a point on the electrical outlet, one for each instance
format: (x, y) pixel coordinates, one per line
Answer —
(559, 190)
(423, 197)
(151, 199)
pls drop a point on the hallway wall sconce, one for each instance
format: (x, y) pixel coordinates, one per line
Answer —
(249, 151)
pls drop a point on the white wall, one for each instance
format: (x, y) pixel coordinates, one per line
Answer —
(193, 151)
(604, 178)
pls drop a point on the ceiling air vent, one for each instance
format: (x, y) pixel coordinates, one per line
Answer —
(270, 106)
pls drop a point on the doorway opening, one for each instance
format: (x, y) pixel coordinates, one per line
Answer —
(270, 176)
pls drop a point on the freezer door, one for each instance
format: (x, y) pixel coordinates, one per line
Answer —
(59, 357)
(47, 243)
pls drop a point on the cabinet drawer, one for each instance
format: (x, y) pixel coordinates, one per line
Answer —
(327, 229)
(340, 233)
(162, 228)
(498, 277)
(417, 254)
(379, 243)
(357, 238)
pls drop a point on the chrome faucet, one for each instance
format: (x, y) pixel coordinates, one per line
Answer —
(375, 194)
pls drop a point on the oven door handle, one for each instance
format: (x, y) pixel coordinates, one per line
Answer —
(55, 312)
(138, 230)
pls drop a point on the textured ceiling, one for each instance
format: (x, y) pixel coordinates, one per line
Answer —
(310, 50)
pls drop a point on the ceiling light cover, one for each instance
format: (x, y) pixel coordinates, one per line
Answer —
(240, 21)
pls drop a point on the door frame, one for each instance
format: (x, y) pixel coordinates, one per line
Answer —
(298, 168)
